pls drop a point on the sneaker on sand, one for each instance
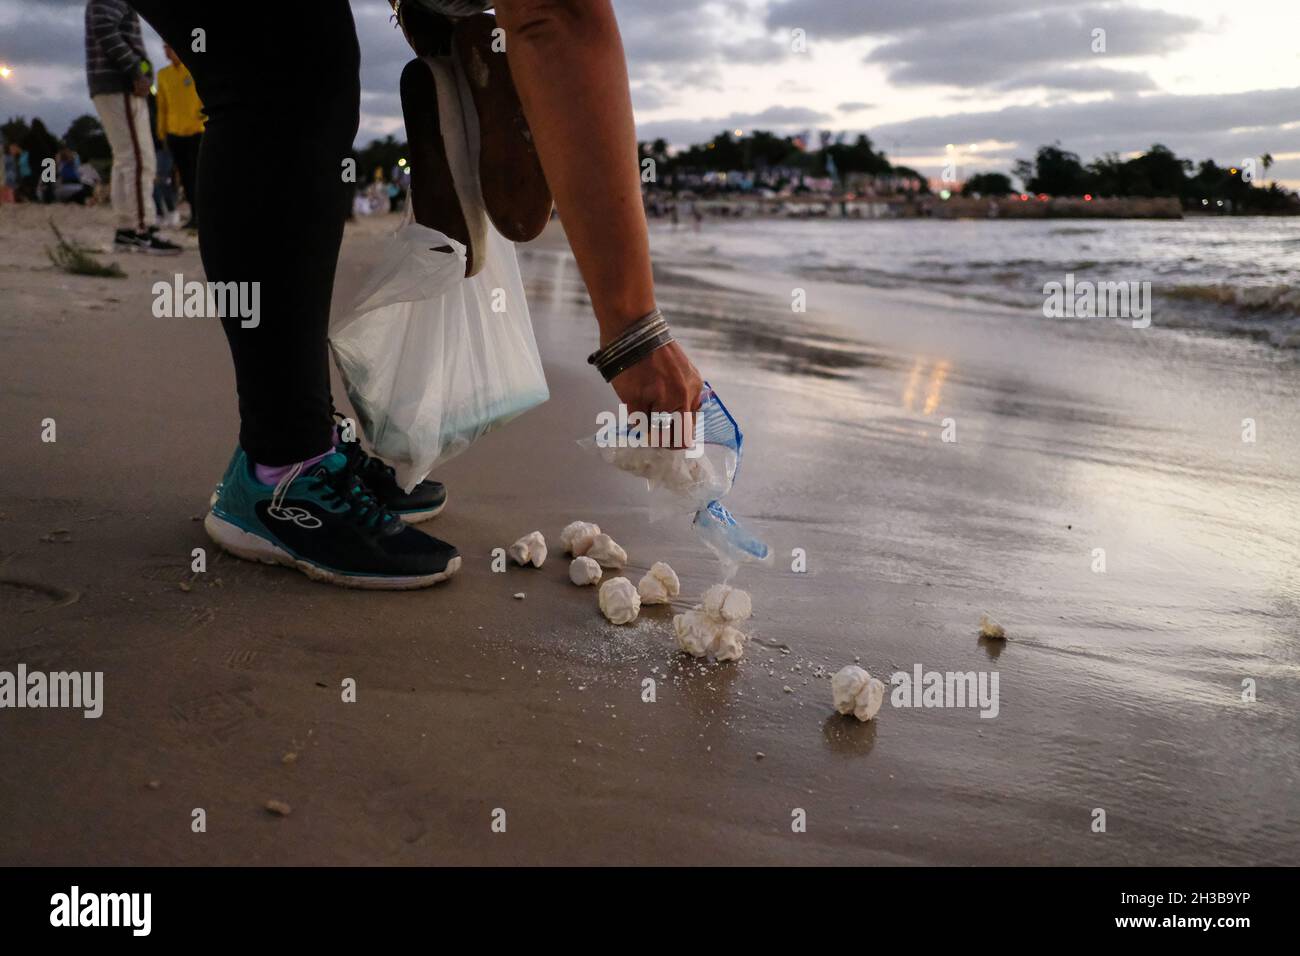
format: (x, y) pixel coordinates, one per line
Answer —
(149, 243)
(324, 522)
(421, 503)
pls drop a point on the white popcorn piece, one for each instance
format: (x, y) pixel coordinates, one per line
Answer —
(660, 584)
(856, 692)
(702, 635)
(728, 603)
(606, 552)
(530, 549)
(694, 632)
(708, 631)
(583, 571)
(991, 629)
(619, 601)
(690, 476)
(728, 644)
(577, 536)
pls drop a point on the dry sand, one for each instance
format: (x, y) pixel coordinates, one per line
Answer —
(1119, 691)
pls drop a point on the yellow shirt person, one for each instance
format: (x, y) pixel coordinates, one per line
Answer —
(180, 111)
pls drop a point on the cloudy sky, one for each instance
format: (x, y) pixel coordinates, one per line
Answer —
(995, 78)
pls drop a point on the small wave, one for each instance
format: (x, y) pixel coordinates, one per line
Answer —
(1250, 298)
(1006, 263)
(1073, 231)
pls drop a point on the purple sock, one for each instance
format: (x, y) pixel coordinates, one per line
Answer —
(271, 474)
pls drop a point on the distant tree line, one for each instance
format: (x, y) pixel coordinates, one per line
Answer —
(763, 150)
(1053, 171)
(1157, 172)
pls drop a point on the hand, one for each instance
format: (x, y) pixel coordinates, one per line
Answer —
(664, 381)
(141, 85)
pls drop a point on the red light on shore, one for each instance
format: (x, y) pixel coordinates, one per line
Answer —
(1024, 197)
(1042, 197)
(1087, 197)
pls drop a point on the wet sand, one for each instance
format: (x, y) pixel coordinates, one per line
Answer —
(1118, 690)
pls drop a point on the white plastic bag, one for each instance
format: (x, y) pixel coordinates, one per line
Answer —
(429, 365)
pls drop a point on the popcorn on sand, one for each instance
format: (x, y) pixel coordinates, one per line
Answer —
(659, 585)
(577, 536)
(709, 630)
(583, 571)
(530, 549)
(619, 601)
(856, 692)
(606, 552)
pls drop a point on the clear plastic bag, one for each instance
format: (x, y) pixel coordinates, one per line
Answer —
(689, 481)
(432, 360)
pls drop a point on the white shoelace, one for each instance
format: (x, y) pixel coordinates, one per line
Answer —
(282, 486)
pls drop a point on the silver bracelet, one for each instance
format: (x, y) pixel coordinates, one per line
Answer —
(646, 335)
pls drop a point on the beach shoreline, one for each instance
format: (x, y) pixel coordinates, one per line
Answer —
(1120, 690)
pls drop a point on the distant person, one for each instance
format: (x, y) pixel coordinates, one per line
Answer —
(118, 74)
(8, 177)
(180, 126)
(41, 146)
(70, 188)
(18, 172)
(164, 187)
(91, 179)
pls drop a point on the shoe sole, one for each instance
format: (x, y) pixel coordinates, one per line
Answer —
(514, 188)
(442, 137)
(415, 517)
(410, 517)
(252, 547)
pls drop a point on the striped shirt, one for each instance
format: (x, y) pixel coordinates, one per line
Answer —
(114, 46)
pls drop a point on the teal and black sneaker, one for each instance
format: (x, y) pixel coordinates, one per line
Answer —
(327, 524)
(421, 503)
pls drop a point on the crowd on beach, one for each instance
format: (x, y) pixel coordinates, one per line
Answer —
(40, 167)
(384, 193)
(74, 181)
(141, 147)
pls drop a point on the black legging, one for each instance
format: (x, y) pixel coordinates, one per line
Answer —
(280, 84)
(185, 154)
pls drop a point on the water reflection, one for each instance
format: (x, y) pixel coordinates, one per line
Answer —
(938, 374)
(848, 736)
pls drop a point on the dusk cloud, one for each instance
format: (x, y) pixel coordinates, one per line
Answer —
(995, 51)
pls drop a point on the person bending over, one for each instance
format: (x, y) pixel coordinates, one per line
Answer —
(288, 73)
